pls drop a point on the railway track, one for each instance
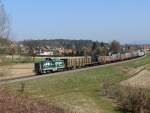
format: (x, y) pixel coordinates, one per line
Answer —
(32, 77)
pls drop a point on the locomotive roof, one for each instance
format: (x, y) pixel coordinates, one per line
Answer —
(50, 59)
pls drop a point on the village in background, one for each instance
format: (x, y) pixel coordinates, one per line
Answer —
(65, 47)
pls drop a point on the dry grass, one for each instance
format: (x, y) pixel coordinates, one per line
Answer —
(3, 68)
(142, 80)
(8, 70)
(10, 103)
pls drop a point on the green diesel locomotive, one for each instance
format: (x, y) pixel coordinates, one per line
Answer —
(48, 65)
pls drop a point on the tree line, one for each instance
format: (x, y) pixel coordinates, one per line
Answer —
(79, 47)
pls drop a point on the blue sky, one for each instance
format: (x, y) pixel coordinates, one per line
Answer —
(104, 20)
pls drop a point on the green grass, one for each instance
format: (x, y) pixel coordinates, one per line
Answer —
(139, 63)
(22, 59)
(80, 91)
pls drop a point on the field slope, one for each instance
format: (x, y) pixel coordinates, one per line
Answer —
(82, 91)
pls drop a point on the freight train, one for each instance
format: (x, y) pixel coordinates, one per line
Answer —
(50, 65)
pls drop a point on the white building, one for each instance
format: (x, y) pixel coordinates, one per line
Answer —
(47, 53)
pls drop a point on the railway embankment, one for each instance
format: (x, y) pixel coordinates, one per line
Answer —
(134, 93)
(140, 77)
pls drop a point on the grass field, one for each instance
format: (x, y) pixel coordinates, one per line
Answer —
(81, 91)
(22, 59)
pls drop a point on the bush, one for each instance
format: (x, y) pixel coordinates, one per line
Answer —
(129, 99)
(135, 100)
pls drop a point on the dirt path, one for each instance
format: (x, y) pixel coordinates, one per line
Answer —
(142, 79)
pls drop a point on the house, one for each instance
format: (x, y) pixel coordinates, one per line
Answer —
(44, 51)
(68, 51)
(47, 53)
(60, 50)
(147, 47)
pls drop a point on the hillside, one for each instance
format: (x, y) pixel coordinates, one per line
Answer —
(83, 91)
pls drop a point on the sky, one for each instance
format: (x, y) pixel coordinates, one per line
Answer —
(127, 21)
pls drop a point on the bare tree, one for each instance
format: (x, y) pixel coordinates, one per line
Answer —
(4, 22)
(4, 29)
(4, 34)
(115, 46)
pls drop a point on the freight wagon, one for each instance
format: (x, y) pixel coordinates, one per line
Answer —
(77, 62)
